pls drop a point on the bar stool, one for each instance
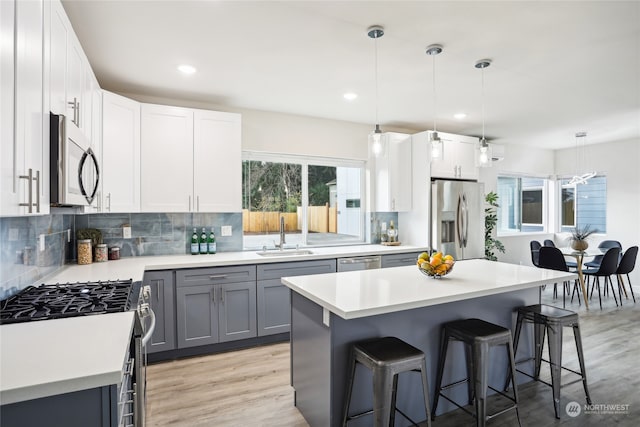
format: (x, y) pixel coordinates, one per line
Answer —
(551, 320)
(478, 336)
(386, 358)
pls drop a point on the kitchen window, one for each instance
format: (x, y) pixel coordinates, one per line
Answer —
(522, 203)
(584, 204)
(319, 198)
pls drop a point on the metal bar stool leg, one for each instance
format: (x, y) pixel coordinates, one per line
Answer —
(583, 371)
(481, 368)
(382, 393)
(512, 374)
(554, 337)
(352, 372)
(444, 344)
(425, 392)
(539, 332)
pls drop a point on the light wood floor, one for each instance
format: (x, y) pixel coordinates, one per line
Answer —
(251, 387)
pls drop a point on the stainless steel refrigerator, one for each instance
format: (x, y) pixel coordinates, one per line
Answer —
(457, 218)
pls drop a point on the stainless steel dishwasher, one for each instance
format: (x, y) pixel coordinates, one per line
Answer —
(359, 263)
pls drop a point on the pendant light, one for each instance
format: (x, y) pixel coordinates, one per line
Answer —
(483, 151)
(581, 159)
(436, 143)
(375, 137)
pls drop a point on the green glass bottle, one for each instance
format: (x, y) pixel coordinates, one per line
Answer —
(195, 243)
(211, 243)
(203, 242)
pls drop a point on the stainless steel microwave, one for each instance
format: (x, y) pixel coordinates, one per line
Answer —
(74, 166)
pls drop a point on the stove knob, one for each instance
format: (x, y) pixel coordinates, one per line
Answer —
(144, 310)
(146, 292)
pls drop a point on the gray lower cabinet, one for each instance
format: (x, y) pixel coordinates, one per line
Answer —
(215, 305)
(399, 260)
(163, 306)
(274, 312)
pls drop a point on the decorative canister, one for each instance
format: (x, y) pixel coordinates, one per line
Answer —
(101, 253)
(84, 252)
(114, 253)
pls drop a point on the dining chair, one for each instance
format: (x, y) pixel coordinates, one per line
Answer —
(607, 267)
(551, 243)
(605, 244)
(553, 259)
(626, 266)
(535, 246)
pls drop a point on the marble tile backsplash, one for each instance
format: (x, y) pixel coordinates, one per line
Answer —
(162, 233)
(376, 219)
(21, 261)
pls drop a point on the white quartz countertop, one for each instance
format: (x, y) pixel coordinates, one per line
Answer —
(357, 294)
(49, 357)
(134, 267)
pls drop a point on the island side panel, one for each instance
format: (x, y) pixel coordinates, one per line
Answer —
(310, 361)
(421, 328)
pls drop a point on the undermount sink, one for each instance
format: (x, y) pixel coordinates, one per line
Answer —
(289, 252)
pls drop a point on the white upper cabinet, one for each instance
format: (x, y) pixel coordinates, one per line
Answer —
(217, 161)
(120, 173)
(25, 163)
(8, 178)
(191, 160)
(58, 35)
(393, 174)
(167, 159)
(457, 159)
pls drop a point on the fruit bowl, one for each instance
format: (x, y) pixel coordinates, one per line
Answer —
(436, 265)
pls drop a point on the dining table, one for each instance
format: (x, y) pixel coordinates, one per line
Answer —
(579, 257)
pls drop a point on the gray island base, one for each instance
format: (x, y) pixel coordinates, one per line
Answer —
(321, 339)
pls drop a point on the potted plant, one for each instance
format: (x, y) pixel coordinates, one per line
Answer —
(579, 235)
(490, 221)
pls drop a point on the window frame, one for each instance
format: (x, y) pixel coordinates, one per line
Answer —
(305, 161)
(567, 229)
(546, 204)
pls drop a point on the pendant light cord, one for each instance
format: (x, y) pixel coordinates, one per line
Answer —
(434, 94)
(482, 95)
(375, 44)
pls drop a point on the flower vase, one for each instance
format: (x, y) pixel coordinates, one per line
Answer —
(579, 245)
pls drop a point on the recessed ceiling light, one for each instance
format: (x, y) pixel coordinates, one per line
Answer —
(350, 96)
(186, 69)
(460, 116)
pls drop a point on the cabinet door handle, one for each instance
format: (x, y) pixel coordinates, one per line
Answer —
(37, 178)
(218, 276)
(197, 203)
(189, 203)
(78, 110)
(109, 199)
(29, 178)
(158, 291)
(214, 295)
(222, 295)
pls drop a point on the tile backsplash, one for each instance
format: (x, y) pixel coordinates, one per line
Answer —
(20, 235)
(376, 219)
(162, 233)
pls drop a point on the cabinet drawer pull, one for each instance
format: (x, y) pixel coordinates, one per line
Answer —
(218, 276)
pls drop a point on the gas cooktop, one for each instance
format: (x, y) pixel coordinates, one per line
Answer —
(68, 300)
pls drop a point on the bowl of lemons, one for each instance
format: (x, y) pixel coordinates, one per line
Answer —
(436, 265)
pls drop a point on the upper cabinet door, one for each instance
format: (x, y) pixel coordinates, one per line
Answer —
(120, 154)
(217, 162)
(8, 178)
(166, 159)
(393, 174)
(457, 158)
(74, 82)
(31, 154)
(58, 36)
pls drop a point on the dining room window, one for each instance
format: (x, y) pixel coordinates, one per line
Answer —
(522, 203)
(583, 204)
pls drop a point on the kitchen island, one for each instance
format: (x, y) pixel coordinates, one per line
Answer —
(330, 311)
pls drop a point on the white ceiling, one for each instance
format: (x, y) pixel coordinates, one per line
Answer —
(558, 66)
